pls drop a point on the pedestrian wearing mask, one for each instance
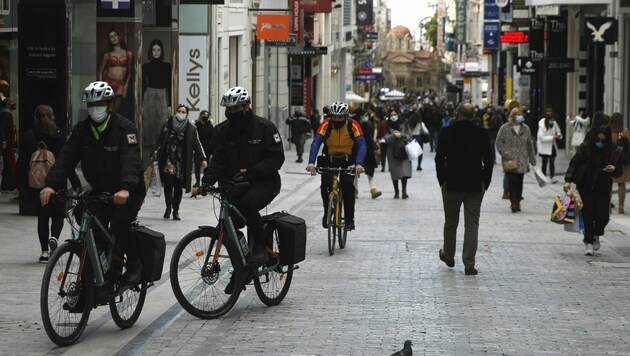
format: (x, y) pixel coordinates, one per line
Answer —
(548, 135)
(370, 163)
(176, 148)
(399, 167)
(514, 141)
(204, 131)
(592, 169)
(300, 127)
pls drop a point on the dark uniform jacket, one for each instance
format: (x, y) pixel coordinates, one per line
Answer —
(463, 160)
(109, 164)
(257, 148)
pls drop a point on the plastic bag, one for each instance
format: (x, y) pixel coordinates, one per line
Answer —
(156, 182)
(413, 150)
(540, 177)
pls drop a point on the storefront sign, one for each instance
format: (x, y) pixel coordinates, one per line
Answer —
(272, 27)
(364, 12)
(560, 65)
(297, 81)
(115, 8)
(490, 10)
(295, 21)
(525, 65)
(460, 26)
(536, 39)
(491, 35)
(291, 42)
(193, 72)
(305, 53)
(514, 37)
(371, 36)
(600, 30)
(365, 77)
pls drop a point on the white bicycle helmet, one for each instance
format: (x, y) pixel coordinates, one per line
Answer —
(235, 96)
(98, 91)
(339, 108)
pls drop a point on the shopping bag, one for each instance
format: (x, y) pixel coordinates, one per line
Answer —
(148, 173)
(576, 226)
(413, 150)
(576, 198)
(540, 177)
(563, 210)
(156, 182)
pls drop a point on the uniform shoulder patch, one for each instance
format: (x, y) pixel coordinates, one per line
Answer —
(132, 139)
(276, 137)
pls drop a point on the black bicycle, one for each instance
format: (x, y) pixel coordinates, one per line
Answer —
(84, 273)
(209, 258)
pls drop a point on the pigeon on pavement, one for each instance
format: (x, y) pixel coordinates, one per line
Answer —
(406, 351)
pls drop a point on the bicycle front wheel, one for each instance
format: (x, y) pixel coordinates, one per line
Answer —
(273, 285)
(332, 223)
(126, 307)
(199, 281)
(65, 295)
(342, 234)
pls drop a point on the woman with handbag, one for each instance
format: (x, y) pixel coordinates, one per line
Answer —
(594, 164)
(419, 132)
(515, 145)
(176, 148)
(548, 135)
(399, 164)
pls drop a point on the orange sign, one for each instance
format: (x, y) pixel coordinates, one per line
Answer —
(272, 27)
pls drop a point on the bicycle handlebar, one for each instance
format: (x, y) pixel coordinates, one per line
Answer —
(222, 189)
(350, 170)
(84, 197)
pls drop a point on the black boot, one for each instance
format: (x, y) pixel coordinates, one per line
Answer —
(134, 272)
(176, 214)
(167, 213)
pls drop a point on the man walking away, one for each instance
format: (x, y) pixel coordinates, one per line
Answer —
(463, 162)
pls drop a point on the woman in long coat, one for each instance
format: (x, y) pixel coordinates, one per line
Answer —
(514, 141)
(176, 147)
(620, 137)
(399, 168)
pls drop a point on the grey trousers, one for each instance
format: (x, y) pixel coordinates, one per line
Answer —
(472, 209)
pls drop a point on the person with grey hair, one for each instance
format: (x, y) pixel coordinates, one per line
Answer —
(464, 180)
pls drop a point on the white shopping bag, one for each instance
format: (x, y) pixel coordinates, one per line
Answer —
(156, 182)
(540, 177)
(413, 150)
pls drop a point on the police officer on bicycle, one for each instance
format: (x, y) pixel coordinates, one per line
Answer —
(247, 148)
(106, 144)
(344, 145)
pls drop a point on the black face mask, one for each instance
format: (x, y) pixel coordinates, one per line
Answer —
(338, 124)
(238, 120)
(233, 116)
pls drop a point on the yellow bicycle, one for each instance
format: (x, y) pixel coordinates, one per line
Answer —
(334, 213)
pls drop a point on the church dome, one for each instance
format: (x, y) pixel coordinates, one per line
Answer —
(400, 31)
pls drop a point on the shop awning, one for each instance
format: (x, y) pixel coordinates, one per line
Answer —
(351, 96)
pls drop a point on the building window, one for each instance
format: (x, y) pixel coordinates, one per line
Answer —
(347, 12)
(419, 82)
(400, 81)
(5, 7)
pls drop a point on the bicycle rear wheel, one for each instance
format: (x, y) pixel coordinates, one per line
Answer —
(65, 296)
(199, 283)
(126, 307)
(332, 223)
(273, 286)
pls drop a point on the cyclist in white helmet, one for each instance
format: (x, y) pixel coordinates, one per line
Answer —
(344, 145)
(106, 143)
(247, 148)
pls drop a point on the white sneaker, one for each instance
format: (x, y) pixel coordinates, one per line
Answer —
(596, 244)
(52, 244)
(43, 258)
(588, 251)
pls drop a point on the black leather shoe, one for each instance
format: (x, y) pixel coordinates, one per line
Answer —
(133, 274)
(167, 213)
(349, 225)
(449, 263)
(470, 271)
(229, 289)
(324, 222)
(176, 215)
(260, 255)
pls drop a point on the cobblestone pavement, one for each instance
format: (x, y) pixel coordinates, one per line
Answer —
(536, 292)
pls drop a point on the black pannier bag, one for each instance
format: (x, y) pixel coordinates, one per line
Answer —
(151, 249)
(291, 236)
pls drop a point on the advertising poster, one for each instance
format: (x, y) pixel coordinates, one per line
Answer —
(116, 63)
(193, 73)
(157, 79)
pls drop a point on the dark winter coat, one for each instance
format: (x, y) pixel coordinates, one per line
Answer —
(370, 163)
(192, 150)
(463, 159)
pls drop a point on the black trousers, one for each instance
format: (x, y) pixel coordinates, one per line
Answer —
(119, 219)
(250, 201)
(383, 147)
(49, 220)
(595, 212)
(346, 182)
(515, 187)
(551, 159)
(173, 191)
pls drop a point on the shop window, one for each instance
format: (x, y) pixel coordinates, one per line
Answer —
(5, 7)
(419, 82)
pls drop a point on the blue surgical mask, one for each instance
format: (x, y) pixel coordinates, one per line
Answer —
(365, 119)
(551, 122)
(600, 144)
(393, 118)
(520, 118)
